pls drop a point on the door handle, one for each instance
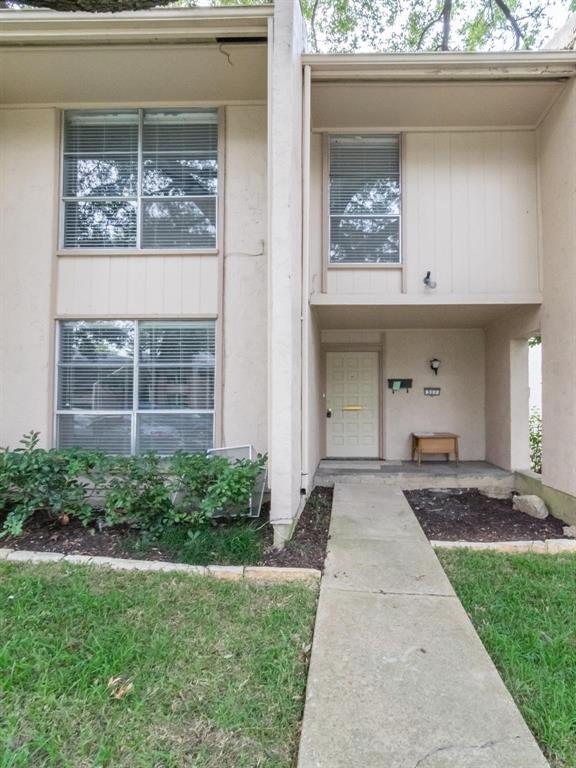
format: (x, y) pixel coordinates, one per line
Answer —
(329, 413)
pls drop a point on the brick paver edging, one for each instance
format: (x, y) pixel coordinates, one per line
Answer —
(228, 572)
(547, 547)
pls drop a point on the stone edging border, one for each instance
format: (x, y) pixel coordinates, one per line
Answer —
(546, 547)
(226, 572)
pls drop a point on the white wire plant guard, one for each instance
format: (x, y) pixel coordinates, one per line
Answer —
(245, 452)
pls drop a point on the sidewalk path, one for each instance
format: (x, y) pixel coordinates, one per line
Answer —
(398, 677)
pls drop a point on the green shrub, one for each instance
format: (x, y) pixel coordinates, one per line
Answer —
(147, 492)
(536, 441)
(138, 493)
(33, 479)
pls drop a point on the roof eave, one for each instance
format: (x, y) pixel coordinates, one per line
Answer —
(526, 65)
(53, 28)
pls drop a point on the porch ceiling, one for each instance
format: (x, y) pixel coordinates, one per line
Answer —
(372, 105)
(377, 317)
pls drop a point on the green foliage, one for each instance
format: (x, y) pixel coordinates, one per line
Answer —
(236, 544)
(536, 441)
(138, 493)
(33, 479)
(146, 492)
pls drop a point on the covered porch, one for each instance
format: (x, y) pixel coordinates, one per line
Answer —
(359, 427)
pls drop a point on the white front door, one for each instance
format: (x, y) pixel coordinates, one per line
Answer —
(352, 405)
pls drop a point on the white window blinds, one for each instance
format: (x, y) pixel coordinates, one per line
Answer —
(130, 387)
(145, 179)
(365, 199)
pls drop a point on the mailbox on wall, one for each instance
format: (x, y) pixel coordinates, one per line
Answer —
(398, 384)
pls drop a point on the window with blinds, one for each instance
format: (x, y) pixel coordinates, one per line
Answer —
(135, 386)
(365, 199)
(144, 179)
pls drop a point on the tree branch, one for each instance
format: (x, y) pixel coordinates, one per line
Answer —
(426, 29)
(446, 19)
(313, 24)
(512, 21)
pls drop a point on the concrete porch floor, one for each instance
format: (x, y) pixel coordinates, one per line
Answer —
(408, 475)
(398, 676)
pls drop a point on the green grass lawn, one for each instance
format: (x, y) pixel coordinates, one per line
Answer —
(524, 609)
(101, 668)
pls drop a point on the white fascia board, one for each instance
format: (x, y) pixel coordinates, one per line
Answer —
(178, 25)
(526, 65)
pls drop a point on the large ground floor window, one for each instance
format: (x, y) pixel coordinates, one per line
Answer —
(130, 386)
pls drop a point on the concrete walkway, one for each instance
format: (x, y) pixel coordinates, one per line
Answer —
(398, 677)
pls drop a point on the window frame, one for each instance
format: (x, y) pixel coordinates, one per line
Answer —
(135, 411)
(63, 250)
(326, 154)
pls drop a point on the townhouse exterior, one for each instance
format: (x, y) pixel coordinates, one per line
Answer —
(210, 237)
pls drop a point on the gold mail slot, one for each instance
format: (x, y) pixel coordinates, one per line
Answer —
(352, 407)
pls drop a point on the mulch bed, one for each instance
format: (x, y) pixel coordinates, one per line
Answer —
(307, 549)
(42, 534)
(467, 515)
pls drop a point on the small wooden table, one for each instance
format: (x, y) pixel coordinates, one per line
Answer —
(434, 442)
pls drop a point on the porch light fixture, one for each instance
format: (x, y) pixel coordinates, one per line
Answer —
(428, 282)
(435, 365)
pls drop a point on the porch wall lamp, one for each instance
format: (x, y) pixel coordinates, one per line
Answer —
(435, 365)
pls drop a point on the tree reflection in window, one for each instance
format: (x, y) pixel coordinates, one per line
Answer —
(140, 179)
(365, 199)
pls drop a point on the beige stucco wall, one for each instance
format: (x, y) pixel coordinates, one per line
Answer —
(36, 286)
(460, 406)
(245, 351)
(557, 141)
(28, 165)
(507, 391)
(470, 216)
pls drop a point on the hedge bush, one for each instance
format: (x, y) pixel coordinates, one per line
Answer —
(147, 492)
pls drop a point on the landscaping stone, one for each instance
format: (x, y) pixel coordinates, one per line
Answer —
(569, 530)
(496, 546)
(531, 505)
(261, 573)
(24, 555)
(226, 572)
(495, 492)
(557, 546)
(78, 559)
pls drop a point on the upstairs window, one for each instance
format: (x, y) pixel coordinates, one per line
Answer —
(143, 179)
(365, 199)
(128, 386)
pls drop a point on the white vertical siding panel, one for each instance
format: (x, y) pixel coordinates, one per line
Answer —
(460, 207)
(137, 285)
(171, 299)
(471, 212)
(118, 285)
(440, 200)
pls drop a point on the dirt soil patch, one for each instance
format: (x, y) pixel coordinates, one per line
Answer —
(307, 548)
(467, 515)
